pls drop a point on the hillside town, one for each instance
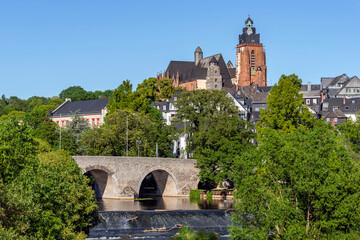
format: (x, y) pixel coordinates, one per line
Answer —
(334, 99)
(205, 149)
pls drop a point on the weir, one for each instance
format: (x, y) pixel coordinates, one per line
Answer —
(159, 224)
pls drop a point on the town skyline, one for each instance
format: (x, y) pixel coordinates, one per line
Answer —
(47, 47)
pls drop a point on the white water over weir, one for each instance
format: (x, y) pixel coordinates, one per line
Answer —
(158, 224)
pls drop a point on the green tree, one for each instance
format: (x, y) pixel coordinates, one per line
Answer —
(77, 93)
(50, 199)
(149, 91)
(122, 97)
(110, 138)
(297, 185)
(166, 89)
(17, 148)
(351, 131)
(217, 134)
(76, 127)
(285, 107)
(44, 197)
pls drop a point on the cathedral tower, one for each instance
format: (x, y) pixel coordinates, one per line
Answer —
(250, 58)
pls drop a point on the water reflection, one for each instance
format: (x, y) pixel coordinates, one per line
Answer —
(162, 203)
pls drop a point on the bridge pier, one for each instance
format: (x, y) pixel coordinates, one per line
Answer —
(122, 177)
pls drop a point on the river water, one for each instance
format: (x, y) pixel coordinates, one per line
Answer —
(160, 218)
(162, 203)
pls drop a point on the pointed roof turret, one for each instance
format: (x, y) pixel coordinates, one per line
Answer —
(198, 49)
(249, 22)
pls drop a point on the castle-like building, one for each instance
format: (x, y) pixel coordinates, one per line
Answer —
(213, 73)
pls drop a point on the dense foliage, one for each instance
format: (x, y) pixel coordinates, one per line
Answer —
(298, 185)
(217, 134)
(42, 196)
(351, 131)
(301, 182)
(111, 137)
(149, 91)
(188, 234)
(285, 107)
(77, 93)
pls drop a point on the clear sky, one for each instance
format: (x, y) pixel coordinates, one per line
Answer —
(47, 46)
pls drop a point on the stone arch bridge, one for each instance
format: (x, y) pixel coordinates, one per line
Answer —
(128, 177)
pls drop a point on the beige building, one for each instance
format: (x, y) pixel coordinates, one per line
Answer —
(93, 111)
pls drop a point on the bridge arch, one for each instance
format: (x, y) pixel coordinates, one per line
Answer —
(159, 181)
(106, 184)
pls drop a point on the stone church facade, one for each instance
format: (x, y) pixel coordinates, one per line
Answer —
(213, 73)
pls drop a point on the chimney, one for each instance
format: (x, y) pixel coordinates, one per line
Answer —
(67, 99)
(344, 100)
(309, 86)
(322, 96)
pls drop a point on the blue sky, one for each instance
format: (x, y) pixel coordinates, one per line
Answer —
(47, 46)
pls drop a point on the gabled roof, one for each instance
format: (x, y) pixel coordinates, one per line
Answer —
(336, 114)
(346, 83)
(260, 97)
(265, 88)
(339, 80)
(85, 107)
(229, 64)
(347, 105)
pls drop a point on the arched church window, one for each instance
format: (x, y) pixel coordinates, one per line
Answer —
(252, 59)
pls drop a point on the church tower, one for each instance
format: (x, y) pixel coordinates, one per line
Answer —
(250, 58)
(198, 55)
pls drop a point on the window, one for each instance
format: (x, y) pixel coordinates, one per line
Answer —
(335, 120)
(354, 90)
(215, 86)
(93, 122)
(328, 119)
(97, 121)
(335, 108)
(164, 107)
(346, 107)
(348, 90)
(307, 101)
(252, 59)
(215, 79)
(215, 71)
(257, 109)
(315, 101)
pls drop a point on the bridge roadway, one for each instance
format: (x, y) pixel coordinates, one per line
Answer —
(123, 177)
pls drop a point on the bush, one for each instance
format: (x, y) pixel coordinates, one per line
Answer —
(187, 234)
